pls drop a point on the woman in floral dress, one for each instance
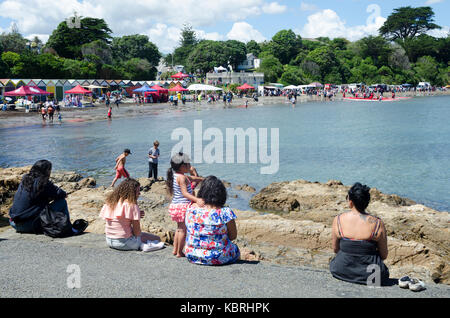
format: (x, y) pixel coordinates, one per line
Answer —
(211, 228)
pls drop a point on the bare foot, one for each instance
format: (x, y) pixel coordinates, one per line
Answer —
(181, 255)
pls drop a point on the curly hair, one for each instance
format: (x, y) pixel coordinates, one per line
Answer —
(126, 191)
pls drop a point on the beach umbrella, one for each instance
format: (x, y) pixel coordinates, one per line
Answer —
(245, 86)
(178, 88)
(78, 90)
(179, 75)
(316, 84)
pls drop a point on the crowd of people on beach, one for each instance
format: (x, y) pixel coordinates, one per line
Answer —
(205, 226)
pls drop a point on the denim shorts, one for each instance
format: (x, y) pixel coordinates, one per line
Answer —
(124, 244)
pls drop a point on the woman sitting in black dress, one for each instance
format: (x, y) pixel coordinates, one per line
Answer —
(360, 242)
(36, 192)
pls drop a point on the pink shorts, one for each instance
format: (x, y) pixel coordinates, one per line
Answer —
(122, 172)
(178, 211)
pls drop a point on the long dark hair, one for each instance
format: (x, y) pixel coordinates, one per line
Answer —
(176, 162)
(38, 177)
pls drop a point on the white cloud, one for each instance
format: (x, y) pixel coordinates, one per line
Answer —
(433, 1)
(244, 32)
(327, 23)
(274, 8)
(308, 7)
(440, 33)
(160, 20)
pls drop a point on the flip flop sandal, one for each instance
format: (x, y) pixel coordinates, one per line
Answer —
(416, 285)
(80, 226)
(404, 282)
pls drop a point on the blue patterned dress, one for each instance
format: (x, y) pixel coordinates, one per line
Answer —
(207, 241)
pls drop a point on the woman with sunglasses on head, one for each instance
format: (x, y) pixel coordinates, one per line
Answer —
(359, 241)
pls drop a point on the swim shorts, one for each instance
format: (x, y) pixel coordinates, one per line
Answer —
(122, 172)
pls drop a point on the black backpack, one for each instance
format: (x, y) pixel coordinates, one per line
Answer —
(55, 224)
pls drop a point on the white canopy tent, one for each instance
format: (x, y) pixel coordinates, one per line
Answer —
(291, 87)
(203, 87)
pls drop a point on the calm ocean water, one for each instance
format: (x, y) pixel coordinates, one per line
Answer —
(398, 147)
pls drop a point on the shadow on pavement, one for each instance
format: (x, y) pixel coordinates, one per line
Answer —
(247, 262)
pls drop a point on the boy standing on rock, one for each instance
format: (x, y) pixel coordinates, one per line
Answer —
(120, 167)
(153, 155)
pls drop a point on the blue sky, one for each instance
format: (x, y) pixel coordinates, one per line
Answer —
(242, 20)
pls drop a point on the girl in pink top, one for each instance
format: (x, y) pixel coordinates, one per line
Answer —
(122, 216)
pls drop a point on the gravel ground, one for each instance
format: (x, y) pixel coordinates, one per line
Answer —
(37, 266)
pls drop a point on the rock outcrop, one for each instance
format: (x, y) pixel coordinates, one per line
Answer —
(293, 228)
(418, 237)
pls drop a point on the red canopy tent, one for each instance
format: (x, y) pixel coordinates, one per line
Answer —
(27, 91)
(178, 88)
(180, 75)
(245, 86)
(160, 94)
(160, 89)
(78, 90)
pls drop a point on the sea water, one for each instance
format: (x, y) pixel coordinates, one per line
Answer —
(398, 147)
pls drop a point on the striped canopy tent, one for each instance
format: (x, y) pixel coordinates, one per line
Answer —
(127, 83)
(150, 83)
(1, 88)
(136, 83)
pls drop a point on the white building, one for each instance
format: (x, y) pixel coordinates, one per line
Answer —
(252, 62)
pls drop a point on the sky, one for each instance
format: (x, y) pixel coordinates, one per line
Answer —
(243, 20)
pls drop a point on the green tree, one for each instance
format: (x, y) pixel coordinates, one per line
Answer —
(407, 22)
(138, 69)
(12, 42)
(325, 58)
(135, 46)
(292, 75)
(271, 67)
(426, 69)
(98, 49)
(68, 40)
(188, 36)
(285, 45)
(14, 63)
(253, 47)
(375, 47)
